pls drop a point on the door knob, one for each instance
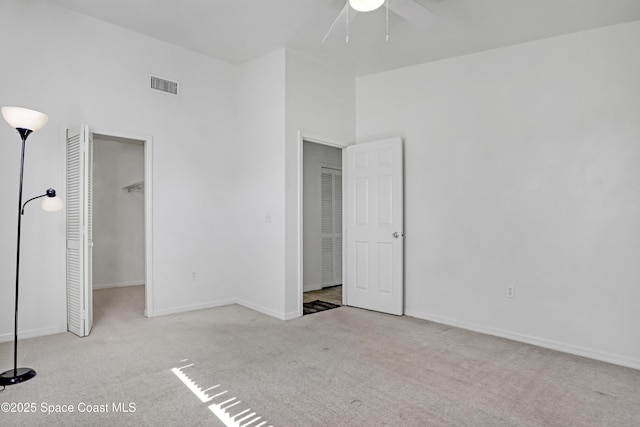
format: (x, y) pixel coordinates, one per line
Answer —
(396, 234)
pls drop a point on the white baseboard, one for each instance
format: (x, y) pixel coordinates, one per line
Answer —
(251, 306)
(213, 304)
(117, 285)
(191, 307)
(602, 356)
(292, 315)
(264, 310)
(33, 333)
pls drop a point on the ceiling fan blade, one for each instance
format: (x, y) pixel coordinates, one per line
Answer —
(342, 17)
(413, 12)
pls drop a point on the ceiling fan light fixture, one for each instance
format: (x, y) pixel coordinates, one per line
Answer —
(366, 5)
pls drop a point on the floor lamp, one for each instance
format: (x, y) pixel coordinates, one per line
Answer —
(25, 122)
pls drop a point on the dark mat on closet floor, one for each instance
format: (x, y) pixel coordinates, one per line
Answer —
(317, 306)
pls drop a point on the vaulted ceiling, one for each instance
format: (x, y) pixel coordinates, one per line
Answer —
(236, 31)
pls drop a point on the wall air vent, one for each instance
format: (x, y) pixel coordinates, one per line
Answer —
(164, 85)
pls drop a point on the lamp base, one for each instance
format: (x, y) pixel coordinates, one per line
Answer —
(20, 375)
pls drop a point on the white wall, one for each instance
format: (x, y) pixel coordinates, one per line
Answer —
(258, 197)
(279, 95)
(320, 101)
(521, 168)
(118, 215)
(315, 156)
(80, 70)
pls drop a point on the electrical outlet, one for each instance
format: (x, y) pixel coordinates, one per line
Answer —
(511, 291)
(194, 275)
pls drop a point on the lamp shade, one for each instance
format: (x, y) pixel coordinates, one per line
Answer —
(366, 5)
(23, 118)
(51, 204)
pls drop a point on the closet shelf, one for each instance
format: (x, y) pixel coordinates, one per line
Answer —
(136, 186)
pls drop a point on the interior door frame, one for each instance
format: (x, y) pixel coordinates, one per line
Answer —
(316, 139)
(147, 141)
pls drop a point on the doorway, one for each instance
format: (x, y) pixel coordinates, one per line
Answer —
(118, 227)
(373, 223)
(322, 243)
(123, 208)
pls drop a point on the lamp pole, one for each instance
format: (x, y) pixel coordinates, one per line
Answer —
(24, 133)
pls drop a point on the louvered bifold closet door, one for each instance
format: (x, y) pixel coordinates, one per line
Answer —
(331, 209)
(88, 240)
(337, 228)
(74, 204)
(326, 187)
(79, 230)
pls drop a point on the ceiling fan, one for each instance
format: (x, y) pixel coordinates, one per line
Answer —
(409, 10)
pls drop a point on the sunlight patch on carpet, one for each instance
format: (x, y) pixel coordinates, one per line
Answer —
(230, 411)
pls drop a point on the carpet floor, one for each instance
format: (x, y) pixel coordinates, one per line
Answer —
(341, 367)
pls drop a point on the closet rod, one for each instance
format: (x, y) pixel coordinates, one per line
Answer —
(135, 186)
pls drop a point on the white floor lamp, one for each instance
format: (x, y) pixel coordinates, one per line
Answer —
(25, 122)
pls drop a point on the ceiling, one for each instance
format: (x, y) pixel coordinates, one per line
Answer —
(236, 31)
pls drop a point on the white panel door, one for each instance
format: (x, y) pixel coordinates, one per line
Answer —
(374, 225)
(79, 231)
